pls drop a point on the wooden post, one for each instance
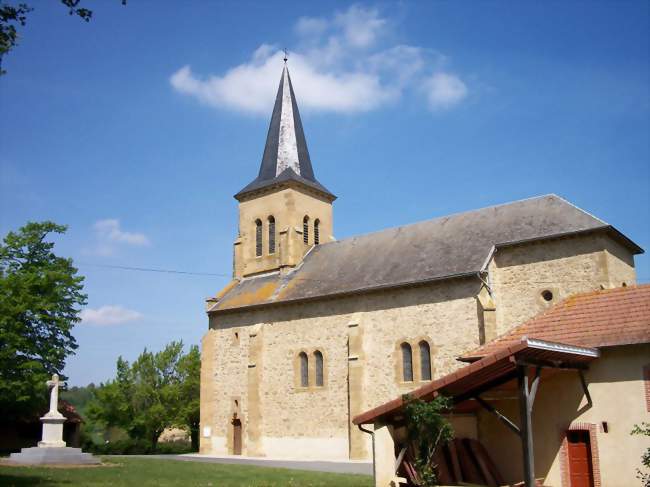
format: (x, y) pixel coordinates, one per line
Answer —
(526, 427)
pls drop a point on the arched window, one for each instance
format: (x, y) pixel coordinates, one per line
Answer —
(305, 229)
(304, 370)
(407, 362)
(318, 358)
(316, 232)
(425, 361)
(271, 235)
(258, 238)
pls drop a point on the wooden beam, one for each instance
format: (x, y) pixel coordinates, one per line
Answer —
(504, 419)
(526, 426)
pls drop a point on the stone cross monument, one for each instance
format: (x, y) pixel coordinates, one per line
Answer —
(52, 449)
(53, 419)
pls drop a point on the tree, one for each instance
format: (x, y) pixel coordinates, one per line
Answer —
(427, 430)
(40, 299)
(189, 368)
(154, 393)
(644, 477)
(12, 16)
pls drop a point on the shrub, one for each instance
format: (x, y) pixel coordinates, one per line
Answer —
(427, 430)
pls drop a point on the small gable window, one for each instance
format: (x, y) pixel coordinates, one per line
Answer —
(304, 369)
(271, 235)
(316, 232)
(425, 360)
(318, 359)
(305, 229)
(258, 238)
(407, 362)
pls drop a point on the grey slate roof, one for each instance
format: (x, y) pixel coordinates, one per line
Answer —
(445, 247)
(279, 143)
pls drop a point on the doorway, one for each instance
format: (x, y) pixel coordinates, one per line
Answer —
(236, 439)
(580, 465)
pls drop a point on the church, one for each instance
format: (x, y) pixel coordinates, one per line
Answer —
(313, 331)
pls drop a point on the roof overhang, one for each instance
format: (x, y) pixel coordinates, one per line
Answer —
(488, 372)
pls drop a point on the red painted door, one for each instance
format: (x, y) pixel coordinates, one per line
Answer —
(580, 467)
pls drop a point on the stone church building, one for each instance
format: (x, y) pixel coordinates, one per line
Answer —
(312, 331)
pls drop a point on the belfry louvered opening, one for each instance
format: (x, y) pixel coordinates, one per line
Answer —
(271, 235)
(258, 238)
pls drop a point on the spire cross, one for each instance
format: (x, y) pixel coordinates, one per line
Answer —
(286, 55)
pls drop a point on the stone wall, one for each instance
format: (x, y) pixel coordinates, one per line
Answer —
(519, 275)
(361, 333)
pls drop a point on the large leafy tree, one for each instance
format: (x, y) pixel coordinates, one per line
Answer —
(40, 299)
(188, 417)
(153, 393)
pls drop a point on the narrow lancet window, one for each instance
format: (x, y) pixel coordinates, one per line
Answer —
(258, 238)
(318, 358)
(305, 229)
(407, 362)
(304, 370)
(271, 235)
(316, 232)
(425, 361)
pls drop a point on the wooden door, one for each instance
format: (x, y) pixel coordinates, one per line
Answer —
(580, 467)
(236, 441)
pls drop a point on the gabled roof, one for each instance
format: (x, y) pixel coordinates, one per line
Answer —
(451, 246)
(286, 157)
(610, 317)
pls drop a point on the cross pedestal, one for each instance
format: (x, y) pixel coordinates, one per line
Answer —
(52, 449)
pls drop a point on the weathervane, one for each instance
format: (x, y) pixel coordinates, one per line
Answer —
(286, 55)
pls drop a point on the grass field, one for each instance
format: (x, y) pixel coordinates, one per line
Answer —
(151, 472)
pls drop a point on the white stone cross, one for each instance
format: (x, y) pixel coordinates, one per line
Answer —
(54, 395)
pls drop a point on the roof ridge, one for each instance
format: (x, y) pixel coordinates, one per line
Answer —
(457, 214)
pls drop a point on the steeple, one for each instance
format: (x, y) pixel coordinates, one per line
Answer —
(286, 157)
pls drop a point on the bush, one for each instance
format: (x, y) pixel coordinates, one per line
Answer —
(136, 447)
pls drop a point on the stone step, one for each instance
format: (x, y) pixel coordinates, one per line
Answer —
(49, 455)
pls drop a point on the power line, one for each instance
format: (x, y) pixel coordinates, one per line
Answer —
(212, 274)
(147, 269)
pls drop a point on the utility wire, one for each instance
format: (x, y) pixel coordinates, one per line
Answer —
(146, 269)
(212, 274)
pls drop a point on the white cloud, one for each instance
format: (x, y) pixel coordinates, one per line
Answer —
(444, 90)
(360, 26)
(109, 235)
(108, 315)
(342, 64)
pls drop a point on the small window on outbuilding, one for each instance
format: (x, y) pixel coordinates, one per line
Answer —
(425, 360)
(304, 370)
(407, 362)
(271, 235)
(258, 238)
(305, 229)
(318, 359)
(316, 232)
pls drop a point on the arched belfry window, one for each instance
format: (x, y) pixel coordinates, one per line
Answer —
(258, 238)
(304, 369)
(271, 235)
(318, 359)
(305, 229)
(407, 362)
(316, 231)
(425, 361)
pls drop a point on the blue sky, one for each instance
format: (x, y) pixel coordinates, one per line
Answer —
(137, 128)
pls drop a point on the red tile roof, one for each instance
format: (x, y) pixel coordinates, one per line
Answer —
(604, 318)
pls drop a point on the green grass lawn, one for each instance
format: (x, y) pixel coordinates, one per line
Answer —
(151, 472)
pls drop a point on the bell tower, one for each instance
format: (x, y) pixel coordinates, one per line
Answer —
(285, 211)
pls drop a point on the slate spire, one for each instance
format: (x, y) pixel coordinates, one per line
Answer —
(285, 155)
